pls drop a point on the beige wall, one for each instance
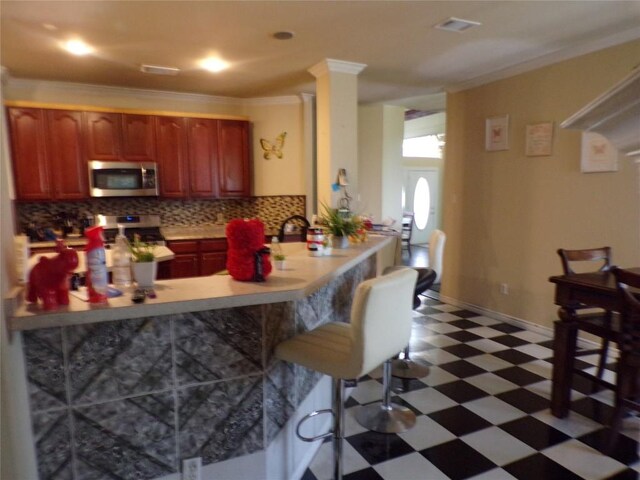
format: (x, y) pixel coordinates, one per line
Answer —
(278, 176)
(505, 214)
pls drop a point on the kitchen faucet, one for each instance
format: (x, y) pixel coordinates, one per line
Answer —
(293, 217)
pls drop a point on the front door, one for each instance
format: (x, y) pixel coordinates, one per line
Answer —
(421, 196)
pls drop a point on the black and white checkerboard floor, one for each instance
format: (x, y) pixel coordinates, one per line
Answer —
(483, 412)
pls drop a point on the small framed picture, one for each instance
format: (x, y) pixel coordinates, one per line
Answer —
(539, 141)
(598, 154)
(497, 133)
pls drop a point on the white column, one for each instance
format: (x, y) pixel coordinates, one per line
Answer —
(337, 126)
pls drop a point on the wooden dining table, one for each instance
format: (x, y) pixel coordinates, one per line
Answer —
(595, 289)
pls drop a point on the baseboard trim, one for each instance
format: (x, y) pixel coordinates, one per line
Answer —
(518, 322)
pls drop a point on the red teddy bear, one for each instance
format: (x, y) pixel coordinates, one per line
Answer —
(247, 257)
(49, 278)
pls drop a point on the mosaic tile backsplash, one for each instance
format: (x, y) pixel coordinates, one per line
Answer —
(130, 399)
(173, 213)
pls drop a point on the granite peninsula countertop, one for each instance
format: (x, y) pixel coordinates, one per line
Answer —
(303, 275)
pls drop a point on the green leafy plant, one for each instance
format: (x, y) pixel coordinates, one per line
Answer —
(278, 257)
(140, 251)
(338, 224)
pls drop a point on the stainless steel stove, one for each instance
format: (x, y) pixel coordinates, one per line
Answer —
(147, 226)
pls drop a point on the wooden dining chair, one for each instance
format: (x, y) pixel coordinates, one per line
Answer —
(599, 322)
(407, 230)
(628, 371)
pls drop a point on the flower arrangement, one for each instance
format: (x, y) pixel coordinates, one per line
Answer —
(141, 251)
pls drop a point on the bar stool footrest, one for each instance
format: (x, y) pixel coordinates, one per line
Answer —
(309, 416)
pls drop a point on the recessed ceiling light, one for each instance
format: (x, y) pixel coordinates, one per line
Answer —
(283, 35)
(159, 70)
(214, 64)
(454, 24)
(77, 47)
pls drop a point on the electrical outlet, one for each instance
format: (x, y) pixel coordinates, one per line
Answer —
(191, 468)
(504, 288)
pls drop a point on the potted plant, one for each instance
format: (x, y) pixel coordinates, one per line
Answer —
(144, 264)
(279, 260)
(338, 225)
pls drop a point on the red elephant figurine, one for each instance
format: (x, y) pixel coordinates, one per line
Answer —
(49, 278)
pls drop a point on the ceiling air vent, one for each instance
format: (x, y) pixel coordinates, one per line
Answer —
(158, 70)
(454, 24)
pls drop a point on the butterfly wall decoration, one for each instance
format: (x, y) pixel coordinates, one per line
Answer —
(273, 149)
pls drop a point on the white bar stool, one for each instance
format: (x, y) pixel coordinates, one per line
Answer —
(347, 351)
(406, 367)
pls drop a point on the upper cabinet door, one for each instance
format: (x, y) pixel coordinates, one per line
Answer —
(202, 142)
(103, 136)
(171, 150)
(28, 145)
(66, 157)
(138, 138)
(234, 167)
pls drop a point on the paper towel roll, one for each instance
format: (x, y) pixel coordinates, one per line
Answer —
(21, 243)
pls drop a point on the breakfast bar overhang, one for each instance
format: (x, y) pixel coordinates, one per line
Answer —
(130, 391)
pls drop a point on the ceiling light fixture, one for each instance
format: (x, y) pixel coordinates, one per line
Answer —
(283, 35)
(159, 70)
(214, 64)
(454, 24)
(77, 47)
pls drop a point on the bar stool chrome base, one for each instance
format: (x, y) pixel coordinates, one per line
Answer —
(407, 368)
(391, 419)
(386, 417)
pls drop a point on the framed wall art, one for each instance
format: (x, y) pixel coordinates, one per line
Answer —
(598, 154)
(539, 139)
(497, 133)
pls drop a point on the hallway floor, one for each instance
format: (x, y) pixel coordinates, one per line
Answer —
(483, 412)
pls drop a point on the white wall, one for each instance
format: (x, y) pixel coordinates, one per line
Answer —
(380, 133)
(16, 442)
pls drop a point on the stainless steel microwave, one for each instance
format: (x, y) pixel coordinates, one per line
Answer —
(123, 179)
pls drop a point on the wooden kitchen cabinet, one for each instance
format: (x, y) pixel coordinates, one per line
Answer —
(114, 137)
(68, 167)
(234, 168)
(172, 155)
(202, 141)
(213, 256)
(28, 148)
(196, 258)
(203, 158)
(47, 154)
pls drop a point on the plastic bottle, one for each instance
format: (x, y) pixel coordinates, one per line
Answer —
(121, 270)
(97, 280)
(276, 249)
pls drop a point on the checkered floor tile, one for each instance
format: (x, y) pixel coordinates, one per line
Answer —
(483, 412)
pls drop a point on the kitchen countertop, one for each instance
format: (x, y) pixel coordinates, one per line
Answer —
(303, 275)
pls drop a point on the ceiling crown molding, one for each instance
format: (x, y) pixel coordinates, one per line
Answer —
(339, 66)
(548, 58)
(17, 84)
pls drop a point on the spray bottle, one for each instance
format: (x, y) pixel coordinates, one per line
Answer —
(97, 279)
(121, 269)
